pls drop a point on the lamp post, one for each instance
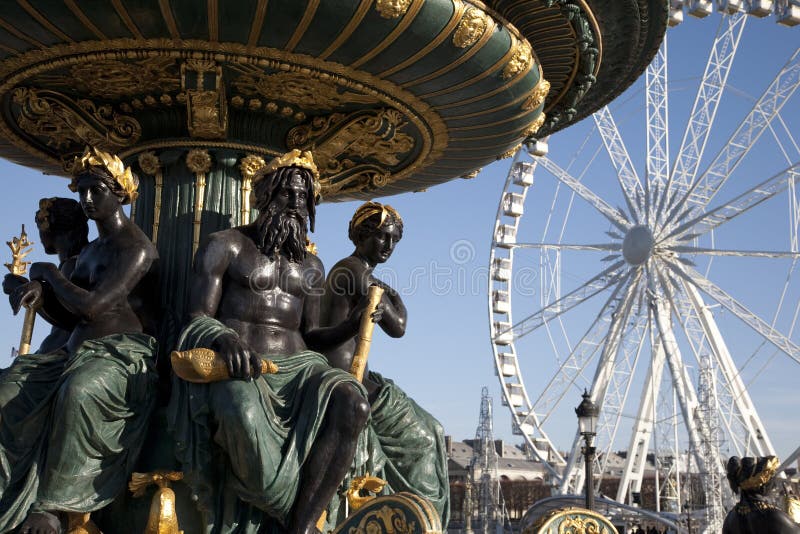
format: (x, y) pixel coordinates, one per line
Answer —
(587, 413)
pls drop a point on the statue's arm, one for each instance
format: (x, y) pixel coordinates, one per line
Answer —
(394, 317)
(119, 279)
(51, 309)
(210, 264)
(324, 338)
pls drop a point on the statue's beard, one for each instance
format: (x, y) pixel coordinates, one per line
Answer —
(284, 232)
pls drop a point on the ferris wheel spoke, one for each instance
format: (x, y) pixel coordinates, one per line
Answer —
(616, 397)
(743, 139)
(626, 172)
(599, 247)
(706, 102)
(572, 367)
(701, 328)
(657, 127)
(644, 424)
(739, 310)
(615, 217)
(714, 218)
(684, 388)
(599, 283)
(605, 367)
(686, 249)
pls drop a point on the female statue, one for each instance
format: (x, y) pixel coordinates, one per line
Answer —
(63, 231)
(752, 478)
(71, 434)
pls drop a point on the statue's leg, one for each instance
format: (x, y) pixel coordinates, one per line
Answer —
(99, 422)
(26, 392)
(330, 457)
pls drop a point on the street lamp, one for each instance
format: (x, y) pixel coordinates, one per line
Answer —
(587, 413)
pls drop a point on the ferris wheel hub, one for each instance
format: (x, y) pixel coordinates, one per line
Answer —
(638, 245)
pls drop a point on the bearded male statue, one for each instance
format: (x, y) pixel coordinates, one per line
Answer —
(263, 451)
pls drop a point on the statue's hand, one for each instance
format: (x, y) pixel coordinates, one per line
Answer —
(12, 282)
(354, 317)
(241, 362)
(28, 295)
(39, 270)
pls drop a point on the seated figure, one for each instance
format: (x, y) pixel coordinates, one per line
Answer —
(407, 442)
(63, 231)
(261, 451)
(752, 479)
(72, 421)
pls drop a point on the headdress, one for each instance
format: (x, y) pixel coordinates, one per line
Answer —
(762, 472)
(294, 158)
(368, 209)
(92, 157)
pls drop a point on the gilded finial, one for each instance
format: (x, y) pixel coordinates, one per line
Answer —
(20, 247)
(94, 157)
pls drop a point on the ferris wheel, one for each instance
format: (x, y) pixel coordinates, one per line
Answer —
(663, 293)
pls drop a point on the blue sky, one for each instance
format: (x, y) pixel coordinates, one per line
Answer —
(440, 266)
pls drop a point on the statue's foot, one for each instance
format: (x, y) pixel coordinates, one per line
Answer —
(41, 523)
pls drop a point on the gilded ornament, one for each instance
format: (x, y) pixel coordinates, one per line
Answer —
(113, 79)
(166, 99)
(198, 161)
(384, 520)
(354, 151)
(762, 477)
(472, 25)
(297, 89)
(250, 165)
(149, 163)
(392, 9)
(254, 104)
(294, 158)
(471, 175)
(537, 96)
(534, 126)
(423, 119)
(520, 60)
(206, 107)
(369, 483)
(237, 101)
(66, 123)
(162, 518)
(508, 153)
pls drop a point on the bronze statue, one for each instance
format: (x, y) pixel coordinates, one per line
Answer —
(410, 442)
(752, 479)
(62, 231)
(72, 421)
(261, 448)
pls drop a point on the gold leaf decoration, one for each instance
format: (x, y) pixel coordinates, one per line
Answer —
(520, 60)
(392, 9)
(384, 520)
(470, 28)
(534, 126)
(354, 151)
(65, 123)
(508, 153)
(537, 96)
(298, 89)
(114, 79)
(149, 163)
(198, 161)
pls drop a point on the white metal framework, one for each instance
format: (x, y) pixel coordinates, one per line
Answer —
(651, 304)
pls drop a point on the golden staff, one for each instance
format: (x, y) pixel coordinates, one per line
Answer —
(21, 247)
(365, 333)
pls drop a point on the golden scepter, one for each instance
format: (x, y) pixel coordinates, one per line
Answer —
(364, 342)
(21, 247)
